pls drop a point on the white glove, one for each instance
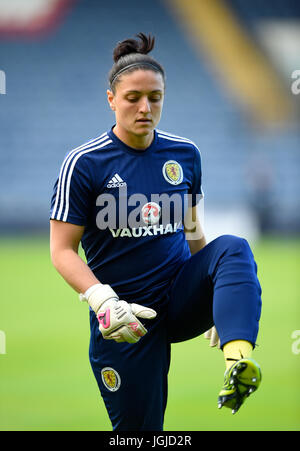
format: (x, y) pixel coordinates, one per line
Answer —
(213, 336)
(117, 319)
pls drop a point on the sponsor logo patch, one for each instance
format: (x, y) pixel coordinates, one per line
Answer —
(110, 378)
(172, 172)
(151, 213)
(116, 182)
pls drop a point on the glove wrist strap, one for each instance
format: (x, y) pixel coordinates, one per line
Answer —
(98, 294)
(91, 290)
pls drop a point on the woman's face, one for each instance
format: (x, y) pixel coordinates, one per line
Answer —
(137, 102)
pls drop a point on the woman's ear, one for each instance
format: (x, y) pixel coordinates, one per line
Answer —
(111, 99)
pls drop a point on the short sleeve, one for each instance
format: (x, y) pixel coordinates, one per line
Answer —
(72, 192)
(196, 188)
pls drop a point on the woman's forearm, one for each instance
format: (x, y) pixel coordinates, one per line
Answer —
(73, 269)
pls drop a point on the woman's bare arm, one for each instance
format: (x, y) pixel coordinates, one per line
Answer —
(193, 231)
(64, 243)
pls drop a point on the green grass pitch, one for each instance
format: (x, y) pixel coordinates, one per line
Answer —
(47, 382)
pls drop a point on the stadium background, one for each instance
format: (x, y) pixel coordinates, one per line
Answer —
(229, 67)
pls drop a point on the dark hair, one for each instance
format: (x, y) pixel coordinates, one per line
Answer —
(132, 54)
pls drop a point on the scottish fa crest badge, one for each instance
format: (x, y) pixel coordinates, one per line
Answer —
(172, 172)
(110, 378)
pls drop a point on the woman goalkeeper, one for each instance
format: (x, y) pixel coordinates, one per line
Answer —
(130, 197)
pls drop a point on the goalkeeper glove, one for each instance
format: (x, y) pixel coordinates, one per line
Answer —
(213, 336)
(117, 319)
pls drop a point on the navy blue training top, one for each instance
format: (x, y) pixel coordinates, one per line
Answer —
(132, 204)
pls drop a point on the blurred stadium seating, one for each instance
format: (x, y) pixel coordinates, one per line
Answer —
(56, 81)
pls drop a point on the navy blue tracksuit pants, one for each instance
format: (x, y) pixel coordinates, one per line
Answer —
(216, 286)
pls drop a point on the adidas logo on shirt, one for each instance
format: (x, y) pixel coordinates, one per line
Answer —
(116, 182)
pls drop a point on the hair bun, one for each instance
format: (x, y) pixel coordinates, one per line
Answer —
(144, 45)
